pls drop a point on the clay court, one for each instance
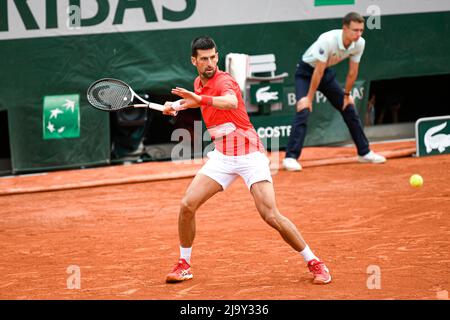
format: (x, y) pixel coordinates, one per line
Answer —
(123, 236)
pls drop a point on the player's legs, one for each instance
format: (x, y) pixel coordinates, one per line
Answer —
(255, 170)
(213, 177)
(199, 191)
(264, 196)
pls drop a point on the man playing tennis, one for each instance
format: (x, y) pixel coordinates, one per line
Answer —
(238, 152)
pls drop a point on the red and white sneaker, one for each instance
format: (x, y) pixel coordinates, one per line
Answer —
(320, 271)
(181, 272)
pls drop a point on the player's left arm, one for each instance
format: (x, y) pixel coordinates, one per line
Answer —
(226, 101)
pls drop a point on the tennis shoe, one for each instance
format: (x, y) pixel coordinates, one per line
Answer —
(372, 157)
(290, 164)
(320, 271)
(181, 272)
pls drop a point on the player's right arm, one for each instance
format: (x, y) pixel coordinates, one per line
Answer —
(306, 102)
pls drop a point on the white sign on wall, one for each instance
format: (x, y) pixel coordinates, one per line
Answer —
(47, 18)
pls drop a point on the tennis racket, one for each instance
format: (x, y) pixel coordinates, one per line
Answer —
(112, 95)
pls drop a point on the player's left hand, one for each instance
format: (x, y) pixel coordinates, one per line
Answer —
(347, 101)
(191, 99)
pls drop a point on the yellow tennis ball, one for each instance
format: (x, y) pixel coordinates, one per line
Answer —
(416, 181)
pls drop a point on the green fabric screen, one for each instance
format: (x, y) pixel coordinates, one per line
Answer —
(406, 45)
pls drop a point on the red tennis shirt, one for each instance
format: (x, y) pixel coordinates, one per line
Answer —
(244, 139)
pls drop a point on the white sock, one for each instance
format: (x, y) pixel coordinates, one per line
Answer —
(185, 253)
(308, 255)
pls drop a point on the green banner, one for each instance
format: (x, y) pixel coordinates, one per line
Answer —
(332, 2)
(433, 136)
(61, 117)
(145, 69)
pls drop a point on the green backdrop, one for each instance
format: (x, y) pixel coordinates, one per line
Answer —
(406, 45)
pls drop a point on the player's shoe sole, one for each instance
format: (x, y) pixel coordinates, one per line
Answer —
(174, 278)
(316, 281)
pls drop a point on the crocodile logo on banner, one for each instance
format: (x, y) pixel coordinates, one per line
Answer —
(433, 140)
(264, 95)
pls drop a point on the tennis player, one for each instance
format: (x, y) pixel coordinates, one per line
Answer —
(238, 152)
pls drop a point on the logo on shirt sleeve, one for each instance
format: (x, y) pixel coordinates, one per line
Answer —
(321, 51)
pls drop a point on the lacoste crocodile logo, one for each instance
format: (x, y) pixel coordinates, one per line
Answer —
(436, 141)
(263, 95)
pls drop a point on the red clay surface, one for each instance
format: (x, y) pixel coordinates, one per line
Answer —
(124, 237)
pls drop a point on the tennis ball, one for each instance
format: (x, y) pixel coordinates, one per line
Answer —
(416, 181)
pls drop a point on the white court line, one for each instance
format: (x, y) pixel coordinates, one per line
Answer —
(26, 175)
(380, 142)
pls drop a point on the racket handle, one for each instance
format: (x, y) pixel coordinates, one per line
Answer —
(151, 105)
(156, 106)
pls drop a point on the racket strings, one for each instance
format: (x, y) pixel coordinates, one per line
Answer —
(110, 95)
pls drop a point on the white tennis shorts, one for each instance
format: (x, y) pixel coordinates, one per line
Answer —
(252, 167)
